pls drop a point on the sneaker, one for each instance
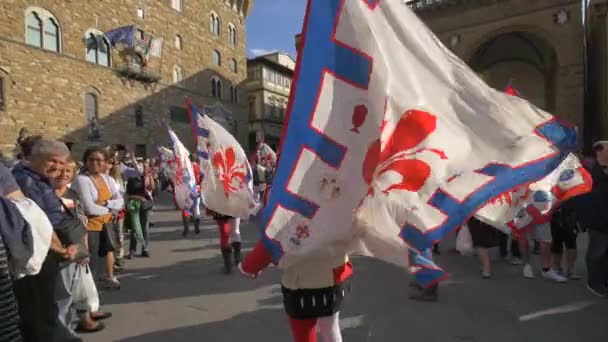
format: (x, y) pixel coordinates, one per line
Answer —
(553, 275)
(602, 293)
(145, 254)
(112, 283)
(528, 272)
(573, 275)
(516, 261)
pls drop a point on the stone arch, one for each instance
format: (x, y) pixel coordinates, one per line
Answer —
(524, 59)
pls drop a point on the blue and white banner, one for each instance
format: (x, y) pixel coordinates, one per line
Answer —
(392, 141)
(184, 179)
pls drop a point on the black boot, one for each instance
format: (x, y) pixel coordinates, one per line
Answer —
(227, 256)
(186, 226)
(236, 248)
(197, 226)
(428, 294)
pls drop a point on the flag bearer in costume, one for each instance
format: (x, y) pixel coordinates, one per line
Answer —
(313, 291)
(230, 238)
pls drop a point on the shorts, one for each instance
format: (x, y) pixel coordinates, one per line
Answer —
(542, 232)
(563, 237)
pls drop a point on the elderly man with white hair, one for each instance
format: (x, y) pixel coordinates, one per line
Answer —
(36, 293)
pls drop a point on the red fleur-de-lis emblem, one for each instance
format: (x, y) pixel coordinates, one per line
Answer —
(228, 170)
(398, 153)
(302, 232)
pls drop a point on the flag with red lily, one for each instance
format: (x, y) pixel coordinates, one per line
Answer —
(266, 157)
(227, 182)
(184, 180)
(392, 142)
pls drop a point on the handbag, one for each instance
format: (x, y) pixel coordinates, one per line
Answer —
(71, 231)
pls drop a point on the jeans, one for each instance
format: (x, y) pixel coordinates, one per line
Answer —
(597, 259)
(98, 263)
(145, 230)
(36, 300)
(120, 236)
(63, 298)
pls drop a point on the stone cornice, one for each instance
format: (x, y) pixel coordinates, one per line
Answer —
(430, 7)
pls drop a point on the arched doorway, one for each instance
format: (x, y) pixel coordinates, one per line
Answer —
(523, 60)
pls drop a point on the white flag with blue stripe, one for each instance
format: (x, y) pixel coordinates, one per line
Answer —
(184, 179)
(389, 129)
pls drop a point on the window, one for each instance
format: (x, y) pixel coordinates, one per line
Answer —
(2, 98)
(91, 109)
(233, 65)
(217, 58)
(233, 35)
(176, 5)
(137, 62)
(216, 87)
(178, 42)
(215, 25)
(234, 94)
(139, 34)
(140, 13)
(97, 48)
(178, 74)
(51, 35)
(42, 30)
(139, 116)
(34, 30)
(252, 112)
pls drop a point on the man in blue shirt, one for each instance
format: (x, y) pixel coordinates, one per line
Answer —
(36, 293)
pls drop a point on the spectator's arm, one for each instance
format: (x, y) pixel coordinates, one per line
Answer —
(56, 245)
(16, 195)
(82, 187)
(117, 202)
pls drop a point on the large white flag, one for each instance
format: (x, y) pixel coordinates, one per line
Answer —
(387, 127)
(227, 183)
(184, 178)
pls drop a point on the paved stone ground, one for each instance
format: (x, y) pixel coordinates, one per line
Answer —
(180, 294)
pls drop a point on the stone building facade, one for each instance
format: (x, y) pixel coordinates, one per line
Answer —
(269, 80)
(596, 107)
(536, 46)
(54, 82)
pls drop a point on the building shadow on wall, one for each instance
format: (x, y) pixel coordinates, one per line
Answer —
(139, 124)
